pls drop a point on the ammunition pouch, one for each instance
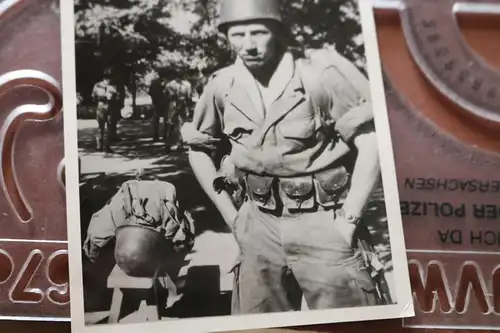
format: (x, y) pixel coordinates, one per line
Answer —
(324, 188)
(297, 193)
(260, 189)
(330, 185)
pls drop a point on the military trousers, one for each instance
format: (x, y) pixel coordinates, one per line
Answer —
(285, 257)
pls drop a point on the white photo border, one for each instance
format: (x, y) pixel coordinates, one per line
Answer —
(402, 309)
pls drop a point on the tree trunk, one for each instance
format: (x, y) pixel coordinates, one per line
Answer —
(133, 91)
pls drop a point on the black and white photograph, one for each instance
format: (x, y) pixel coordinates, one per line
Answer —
(229, 166)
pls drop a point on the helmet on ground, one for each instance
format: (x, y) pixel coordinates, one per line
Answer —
(233, 11)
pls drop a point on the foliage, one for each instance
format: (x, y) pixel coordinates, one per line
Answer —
(128, 43)
(319, 23)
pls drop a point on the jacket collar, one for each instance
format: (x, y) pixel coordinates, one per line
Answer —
(249, 99)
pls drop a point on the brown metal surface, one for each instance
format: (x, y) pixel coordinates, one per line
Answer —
(437, 46)
(436, 139)
(33, 259)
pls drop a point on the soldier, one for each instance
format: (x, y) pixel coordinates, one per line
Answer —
(179, 93)
(160, 108)
(110, 100)
(303, 149)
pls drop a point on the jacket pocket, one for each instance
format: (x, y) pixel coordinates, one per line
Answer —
(330, 185)
(236, 125)
(235, 132)
(297, 192)
(298, 128)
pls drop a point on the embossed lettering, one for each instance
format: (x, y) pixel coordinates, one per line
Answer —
(451, 185)
(21, 291)
(450, 65)
(495, 282)
(476, 237)
(450, 236)
(471, 280)
(22, 287)
(492, 93)
(430, 286)
(405, 208)
(12, 123)
(477, 84)
(433, 38)
(463, 75)
(429, 23)
(486, 212)
(487, 237)
(6, 266)
(416, 208)
(442, 51)
(446, 210)
(58, 275)
(460, 211)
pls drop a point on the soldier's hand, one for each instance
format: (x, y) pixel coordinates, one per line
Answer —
(226, 179)
(228, 170)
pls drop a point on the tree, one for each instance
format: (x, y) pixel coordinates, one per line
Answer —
(319, 23)
(125, 42)
(314, 24)
(118, 40)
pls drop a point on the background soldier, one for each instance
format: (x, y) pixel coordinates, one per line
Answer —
(110, 102)
(160, 106)
(303, 149)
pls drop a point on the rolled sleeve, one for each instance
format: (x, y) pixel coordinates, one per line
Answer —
(205, 131)
(349, 94)
(103, 226)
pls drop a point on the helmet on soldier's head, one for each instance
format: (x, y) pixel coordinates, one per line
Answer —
(232, 11)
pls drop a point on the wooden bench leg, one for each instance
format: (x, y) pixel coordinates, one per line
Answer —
(116, 306)
(148, 312)
(159, 298)
(173, 295)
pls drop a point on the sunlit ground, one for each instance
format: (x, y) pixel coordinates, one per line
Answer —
(204, 280)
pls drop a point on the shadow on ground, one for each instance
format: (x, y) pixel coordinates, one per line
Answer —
(135, 139)
(202, 296)
(98, 188)
(200, 287)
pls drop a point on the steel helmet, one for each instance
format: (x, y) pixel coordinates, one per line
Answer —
(139, 250)
(232, 11)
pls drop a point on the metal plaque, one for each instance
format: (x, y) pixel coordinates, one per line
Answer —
(447, 158)
(445, 147)
(33, 250)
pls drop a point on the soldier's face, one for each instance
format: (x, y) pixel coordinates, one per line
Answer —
(255, 43)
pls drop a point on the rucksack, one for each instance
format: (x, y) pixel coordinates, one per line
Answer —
(151, 204)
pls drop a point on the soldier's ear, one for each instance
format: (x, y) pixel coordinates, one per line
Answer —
(227, 45)
(223, 35)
